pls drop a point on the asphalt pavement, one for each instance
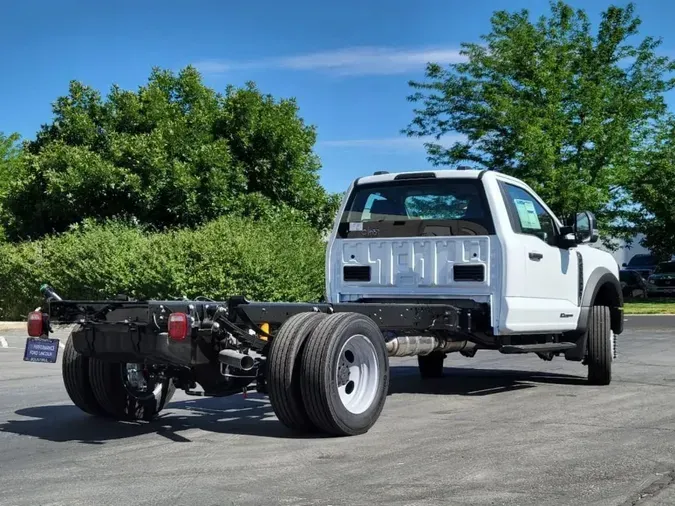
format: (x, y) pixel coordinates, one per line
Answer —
(497, 430)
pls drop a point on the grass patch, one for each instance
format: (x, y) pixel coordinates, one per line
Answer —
(649, 306)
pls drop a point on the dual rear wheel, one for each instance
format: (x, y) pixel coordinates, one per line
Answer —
(328, 373)
(113, 390)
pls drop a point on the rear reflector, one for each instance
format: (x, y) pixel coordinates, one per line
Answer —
(35, 324)
(178, 326)
(265, 327)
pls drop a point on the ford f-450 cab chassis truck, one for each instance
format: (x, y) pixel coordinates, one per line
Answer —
(418, 264)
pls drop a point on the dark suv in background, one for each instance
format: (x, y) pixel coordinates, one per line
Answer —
(643, 264)
(661, 283)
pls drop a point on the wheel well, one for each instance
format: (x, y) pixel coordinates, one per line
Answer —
(608, 296)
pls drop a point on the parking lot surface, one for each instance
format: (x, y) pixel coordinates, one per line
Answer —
(497, 430)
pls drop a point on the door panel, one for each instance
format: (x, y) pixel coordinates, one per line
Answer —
(547, 297)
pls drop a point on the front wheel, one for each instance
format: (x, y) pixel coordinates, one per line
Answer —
(345, 374)
(600, 346)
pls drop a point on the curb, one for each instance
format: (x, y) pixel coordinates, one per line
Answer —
(12, 325)
(22, 326)
(649, 314)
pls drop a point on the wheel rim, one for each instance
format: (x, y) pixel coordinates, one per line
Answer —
(358, 374)
(139, 383)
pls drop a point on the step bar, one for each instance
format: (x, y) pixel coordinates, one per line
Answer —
(510, 349)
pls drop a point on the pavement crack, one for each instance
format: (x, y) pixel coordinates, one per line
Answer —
(661, 482)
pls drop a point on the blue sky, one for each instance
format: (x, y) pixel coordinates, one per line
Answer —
(347, 62)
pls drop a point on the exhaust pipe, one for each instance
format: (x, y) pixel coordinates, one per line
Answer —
(235, 359)
(410, 346)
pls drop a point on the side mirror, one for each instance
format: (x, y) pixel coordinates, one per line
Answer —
(586, 228)
(624, 264)
(567, 239)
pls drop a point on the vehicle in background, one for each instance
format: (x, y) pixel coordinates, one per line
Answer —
(642, 263)
(661, 283)
(633, 285)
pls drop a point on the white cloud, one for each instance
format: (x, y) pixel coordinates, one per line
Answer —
(392, 143)
(363, 60)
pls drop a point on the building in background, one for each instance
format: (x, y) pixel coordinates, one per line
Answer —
(624, 253)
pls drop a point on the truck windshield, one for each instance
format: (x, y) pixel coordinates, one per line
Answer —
(410, 208)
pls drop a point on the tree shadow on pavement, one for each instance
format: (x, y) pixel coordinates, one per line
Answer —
(253, 416)
(473, 382)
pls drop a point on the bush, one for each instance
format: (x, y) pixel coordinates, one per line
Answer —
(273, 259)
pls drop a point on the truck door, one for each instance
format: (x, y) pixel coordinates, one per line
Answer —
(542, 280)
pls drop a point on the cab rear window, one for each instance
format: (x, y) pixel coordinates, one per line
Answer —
(413, 208)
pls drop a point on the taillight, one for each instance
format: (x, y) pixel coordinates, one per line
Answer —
(36, 324)
(178, 326)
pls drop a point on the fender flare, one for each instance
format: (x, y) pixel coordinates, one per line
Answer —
(599, 277)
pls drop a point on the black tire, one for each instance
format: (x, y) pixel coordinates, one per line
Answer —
(283, 371)
(319, 374)
(599, 355)
(431, 366)
(75, 373)
(119, 403)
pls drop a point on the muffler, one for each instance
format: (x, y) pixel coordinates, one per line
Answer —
(410, 346)
(235, 359)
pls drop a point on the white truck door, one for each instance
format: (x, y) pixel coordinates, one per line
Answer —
(545, 296)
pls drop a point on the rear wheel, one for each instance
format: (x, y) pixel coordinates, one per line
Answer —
(600, 346)
(345, 374)
(431, 366)
(283, 370)
(129, 391)
(75, 372)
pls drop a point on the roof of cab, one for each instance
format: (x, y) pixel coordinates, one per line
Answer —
(443, 173)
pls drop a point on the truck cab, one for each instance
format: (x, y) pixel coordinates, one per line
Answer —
(471, 238)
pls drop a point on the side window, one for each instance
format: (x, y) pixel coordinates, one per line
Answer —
(529, 216)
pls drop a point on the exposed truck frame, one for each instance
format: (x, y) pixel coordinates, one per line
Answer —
(324, 365)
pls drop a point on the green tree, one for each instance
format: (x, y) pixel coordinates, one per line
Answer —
(172, 153)
(10, 151)
(550, 102)
(653, 210)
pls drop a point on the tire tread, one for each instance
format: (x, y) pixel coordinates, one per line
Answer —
(283, 373)
(599, 347)
(75, 373)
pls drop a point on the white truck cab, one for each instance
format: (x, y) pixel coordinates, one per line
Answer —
(476, 239)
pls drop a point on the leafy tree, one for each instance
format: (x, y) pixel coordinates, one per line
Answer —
(552, 103)
(653, 210)
(9, 160)
(172, 153)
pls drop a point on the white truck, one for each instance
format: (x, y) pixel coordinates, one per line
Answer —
(418, 264)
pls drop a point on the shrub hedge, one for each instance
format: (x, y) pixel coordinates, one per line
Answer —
(273, 259)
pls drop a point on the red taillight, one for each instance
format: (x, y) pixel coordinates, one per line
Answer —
(36, 326)
(178, 326)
